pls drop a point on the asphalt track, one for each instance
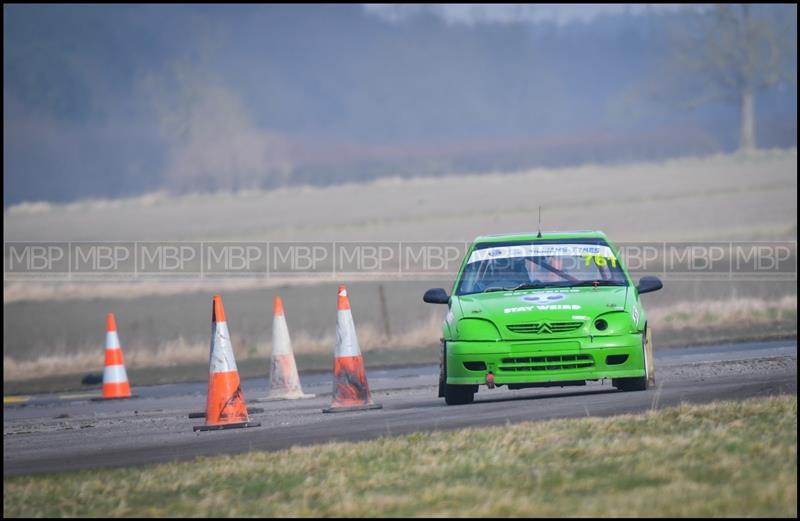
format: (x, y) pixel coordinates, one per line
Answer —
(51, 433)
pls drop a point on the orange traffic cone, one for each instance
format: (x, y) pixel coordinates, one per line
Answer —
(350, 388)
(283, 377)
(115, 379)
(225, 408)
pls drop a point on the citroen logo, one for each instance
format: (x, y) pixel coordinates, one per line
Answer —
(545, 328)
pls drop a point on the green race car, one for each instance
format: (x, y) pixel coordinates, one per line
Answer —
(543, 310)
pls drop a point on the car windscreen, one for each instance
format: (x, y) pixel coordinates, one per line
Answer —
(539, 264)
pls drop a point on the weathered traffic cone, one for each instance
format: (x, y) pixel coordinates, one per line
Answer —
(284, 382)
(350, 388)
(115, 378)
(651, 373)
(225, 408)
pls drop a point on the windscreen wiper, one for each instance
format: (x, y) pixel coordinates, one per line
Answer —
(530, 285)
(524, 285)
(597, 283)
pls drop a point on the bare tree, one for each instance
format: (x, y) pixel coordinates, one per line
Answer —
(733, 51)
(212, 142)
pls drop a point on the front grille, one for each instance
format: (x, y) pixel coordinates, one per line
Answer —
(546, 363)
(539, 328)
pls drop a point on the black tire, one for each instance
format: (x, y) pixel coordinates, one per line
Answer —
(453, 394)
(630, 384)
(459, 394)
(442, 371)
(634, 384)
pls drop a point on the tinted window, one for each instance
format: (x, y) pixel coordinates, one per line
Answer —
(519, 265)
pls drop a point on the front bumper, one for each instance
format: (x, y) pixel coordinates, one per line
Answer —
(520, 362)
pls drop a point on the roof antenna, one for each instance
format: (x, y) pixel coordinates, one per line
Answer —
(539, 235)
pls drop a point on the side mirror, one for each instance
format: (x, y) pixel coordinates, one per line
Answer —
(648, 284)
(436, 296)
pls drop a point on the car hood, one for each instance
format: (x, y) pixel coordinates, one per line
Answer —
(521, 314)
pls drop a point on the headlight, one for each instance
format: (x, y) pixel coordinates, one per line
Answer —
(613, 323)
(477, 329)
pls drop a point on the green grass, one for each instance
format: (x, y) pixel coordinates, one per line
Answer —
(720, 459)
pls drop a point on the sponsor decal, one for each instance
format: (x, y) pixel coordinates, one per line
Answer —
(550, 307)
(554, 290)
(544, 298)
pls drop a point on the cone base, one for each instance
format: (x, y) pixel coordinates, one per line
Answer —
(103, 398)
(250, 410)
(225, 426)
(354, 408)
(276, 397)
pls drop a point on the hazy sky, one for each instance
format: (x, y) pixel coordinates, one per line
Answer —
(561, 14)
(109, 100)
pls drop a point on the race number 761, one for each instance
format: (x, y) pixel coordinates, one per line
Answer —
(599, 260)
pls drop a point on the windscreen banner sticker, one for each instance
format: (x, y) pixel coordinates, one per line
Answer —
(541, 250)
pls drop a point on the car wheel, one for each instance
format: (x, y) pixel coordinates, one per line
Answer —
(459, 394)
(453, 394)
(640, 383)
(442, 370)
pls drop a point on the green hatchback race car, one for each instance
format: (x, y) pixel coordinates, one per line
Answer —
(537, 310)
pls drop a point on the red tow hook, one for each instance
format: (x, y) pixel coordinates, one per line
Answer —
(490, 380)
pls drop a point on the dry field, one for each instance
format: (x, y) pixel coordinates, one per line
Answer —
(58, 327)
(713, 198)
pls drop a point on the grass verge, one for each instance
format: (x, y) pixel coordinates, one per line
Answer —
(719, 459)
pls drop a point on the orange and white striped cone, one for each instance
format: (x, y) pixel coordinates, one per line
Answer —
(115, 378)
(283, 377)
(225, 408)
(350, 388)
